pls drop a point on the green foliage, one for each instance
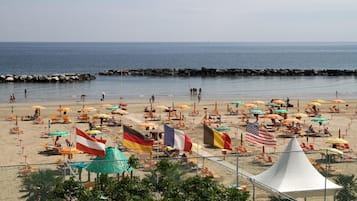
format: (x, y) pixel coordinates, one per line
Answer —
(40, 185)
(133, 162)
(69, 189)
(349, 190)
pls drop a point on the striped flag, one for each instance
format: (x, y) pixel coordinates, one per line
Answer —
(215, 138)
(259, 135)
(134, 140)
(89, 144)
(177, 139)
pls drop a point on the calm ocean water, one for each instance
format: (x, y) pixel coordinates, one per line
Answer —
(46, 58)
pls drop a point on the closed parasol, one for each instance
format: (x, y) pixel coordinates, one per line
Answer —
(336, 141)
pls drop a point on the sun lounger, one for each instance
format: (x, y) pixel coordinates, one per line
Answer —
(54, 119)
(66, 119)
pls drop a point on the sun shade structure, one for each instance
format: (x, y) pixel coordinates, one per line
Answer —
(113, 162)
(293, 174)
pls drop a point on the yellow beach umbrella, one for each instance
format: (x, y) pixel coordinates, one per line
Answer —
(106, 105)
(331, 151)
(338, 101)
(291, 120)
(38, 107)
(183, 107)
(299, 115)
(258, 102)
(278, 101)
(93, 132)
(336, 141)
(88, 109)
(314, 103)
(120, 111)
(319, 100)
(102, 115)
(69, 150)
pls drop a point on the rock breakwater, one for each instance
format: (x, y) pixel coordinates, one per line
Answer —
(66, 77)
(231, 72)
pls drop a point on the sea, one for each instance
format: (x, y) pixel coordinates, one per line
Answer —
(49, 58)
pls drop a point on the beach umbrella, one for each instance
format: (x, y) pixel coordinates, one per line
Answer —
(112, 108)
(319, 120)
(250, 106)
(106, 105)
(331, 151)
(278, 101)
(237, 102)
(273, 116)
(38, 107)
(147, 124)
(258, 112)
(162, 107)
(121, 112)
(338, 101)
(222, 128)
(183, 107)
(281, 111)
(58, 133)
(102, 115)
(258, 102)
(314, 103)
(291, 120)
(336, 141)
(319, 100)
(64, 109)
(299, 115)
(271, 104)
(69, 150)
(93, 132)
(88, 109)
(114, 162)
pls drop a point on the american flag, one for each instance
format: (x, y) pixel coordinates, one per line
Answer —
(259, 135)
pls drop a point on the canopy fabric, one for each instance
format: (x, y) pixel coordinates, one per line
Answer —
(293, 174)
(113, 162)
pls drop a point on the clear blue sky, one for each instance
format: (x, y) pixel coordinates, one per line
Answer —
(178, 20)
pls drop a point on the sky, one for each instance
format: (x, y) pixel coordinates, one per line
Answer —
(178, 20)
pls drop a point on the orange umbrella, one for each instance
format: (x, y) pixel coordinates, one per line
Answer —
(147, 124)
(38, 107)
(319, 100)
(273, 116)
(69, 150)
(278, 101)
(250, 106)
(106, 105)
(182, 107)
(314, 103)
(291, 120)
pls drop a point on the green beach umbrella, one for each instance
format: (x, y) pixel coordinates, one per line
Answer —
(113, 162)
(237, 102)
(256, 112)
(281, 111)
(319, 120)
(112, 108)
(222, 128)
(58, 133)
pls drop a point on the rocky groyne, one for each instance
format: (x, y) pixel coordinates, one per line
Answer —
(65, 77)
(229, 72)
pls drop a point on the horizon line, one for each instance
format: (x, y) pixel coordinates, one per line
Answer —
(178, 41)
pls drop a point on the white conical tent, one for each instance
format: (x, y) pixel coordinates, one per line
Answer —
(293, 174)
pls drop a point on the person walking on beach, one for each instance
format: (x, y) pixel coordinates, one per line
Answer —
(103, 96)
(199, 98)
(153, 98)
(25, 92)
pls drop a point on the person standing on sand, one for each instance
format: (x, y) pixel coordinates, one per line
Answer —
(103, 95)
(25, 92)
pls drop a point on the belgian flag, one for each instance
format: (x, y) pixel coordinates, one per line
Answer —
(134, 140)
(215, 138)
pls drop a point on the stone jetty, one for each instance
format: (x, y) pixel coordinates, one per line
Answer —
(65, 77)
(229, 72)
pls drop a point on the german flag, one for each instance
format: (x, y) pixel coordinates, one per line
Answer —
(134, 140)
(215, 138)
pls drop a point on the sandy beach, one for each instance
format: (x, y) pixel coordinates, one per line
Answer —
(26, 145)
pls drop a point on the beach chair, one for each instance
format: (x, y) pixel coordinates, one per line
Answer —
(54, 119)
(83, 118)
(311, 147)
(303, 145)
(66, 119)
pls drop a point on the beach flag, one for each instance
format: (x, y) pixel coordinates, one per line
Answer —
(89, 144)
(177, 139)
(215, 138)
(134, 140)
(259, 135)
